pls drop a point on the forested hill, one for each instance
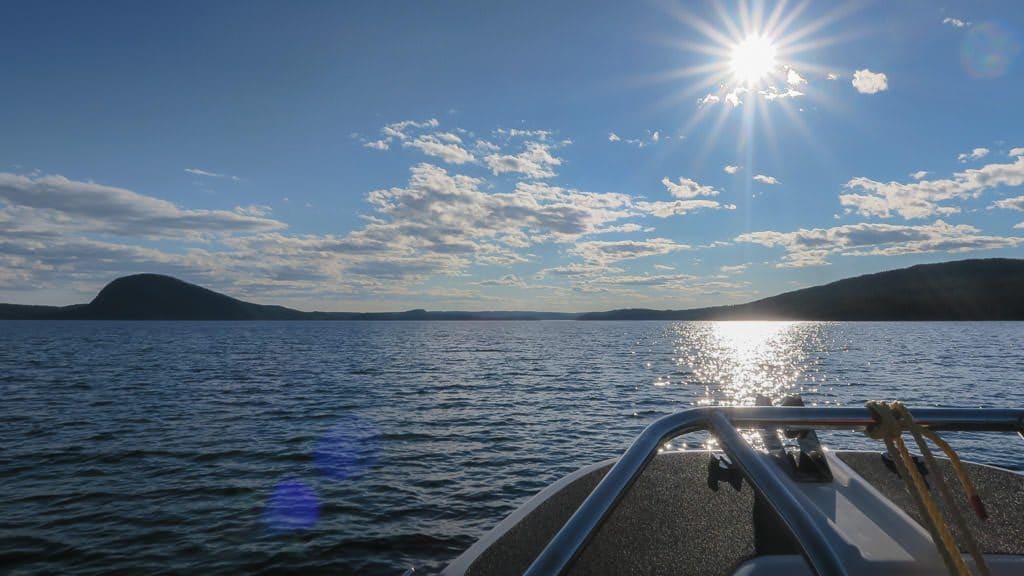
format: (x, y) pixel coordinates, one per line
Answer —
(991, 289)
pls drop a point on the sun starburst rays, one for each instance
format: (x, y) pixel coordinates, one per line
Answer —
(756, 62)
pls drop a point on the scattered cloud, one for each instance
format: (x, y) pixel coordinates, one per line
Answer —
(812, 247)
(506, 280)
(708, 99)
(773, 94)
(1015, 203)
(730, 169)
(688, 195)
(925, 198)
(764, 179)
(975, 154)
(445, 145)
(734, 97)
(652, 138)
(258, 210)
(518, 133)
(58, 203)
(575, 269)
(382, 144)
(955, 22)
(399, 129)
(794, 79)
(604, 252)
(687, 188)
(1014, 152)
(485, 147)
(680, 207)
(919, 174)
(536, 161)
(208, 174)
(868, 82)
(832, 76)
(733, 269)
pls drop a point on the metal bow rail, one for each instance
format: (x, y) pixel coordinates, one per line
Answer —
(793, 507)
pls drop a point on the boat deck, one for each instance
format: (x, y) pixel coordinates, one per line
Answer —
(672, 522)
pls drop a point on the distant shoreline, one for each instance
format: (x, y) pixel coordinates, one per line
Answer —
(965, 290)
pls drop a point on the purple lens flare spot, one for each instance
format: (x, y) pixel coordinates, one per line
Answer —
(292, 506)
(989, 49)
(347, 449)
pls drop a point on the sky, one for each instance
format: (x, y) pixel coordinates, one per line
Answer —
(570, 156)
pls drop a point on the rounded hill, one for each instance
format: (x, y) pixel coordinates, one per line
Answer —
(159, 297)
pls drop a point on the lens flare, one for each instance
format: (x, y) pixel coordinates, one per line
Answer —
(348, 448)
(988, 50)
(292, 506)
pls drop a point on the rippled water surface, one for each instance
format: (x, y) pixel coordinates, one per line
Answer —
(367, 448)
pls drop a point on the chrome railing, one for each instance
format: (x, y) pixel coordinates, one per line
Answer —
(792, 506)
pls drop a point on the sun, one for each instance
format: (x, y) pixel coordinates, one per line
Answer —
(752, 59)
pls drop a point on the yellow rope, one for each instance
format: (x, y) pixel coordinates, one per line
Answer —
(918, 432)
(891, 420)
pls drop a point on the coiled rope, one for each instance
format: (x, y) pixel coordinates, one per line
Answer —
(891, 421)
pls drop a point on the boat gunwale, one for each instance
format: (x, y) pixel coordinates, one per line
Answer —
(568, 543)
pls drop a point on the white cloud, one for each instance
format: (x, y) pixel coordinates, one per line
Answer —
(613, 137)
(536, 161)
(448, 137)
(730, 169)
(506, 280)
(925, 198)
(208, 174)
(1014, 152)
(1015, 203)
(485, 147)
(764, 179)
(975, 154)
(955, 22)
(440, 212)
(687, 188)
(773, 94)
(709, 99)
(868, 82)
(604, 252)
(794, 79)
(258, 210)
(832, 76)
(447, 150)
(733, 98)
(919, 174)
(58, 203)
(399, 129)
(687, 192)
(680, 207)
(655, 136)
(575, 270)
(811, 247)
(518, 133)
(733, 269)
(382, 144)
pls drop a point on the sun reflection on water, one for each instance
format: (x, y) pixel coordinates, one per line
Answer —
(735, 362)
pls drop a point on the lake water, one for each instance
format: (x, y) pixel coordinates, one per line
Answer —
(354, 447)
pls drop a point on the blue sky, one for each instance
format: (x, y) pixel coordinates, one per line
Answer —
(527, 155)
